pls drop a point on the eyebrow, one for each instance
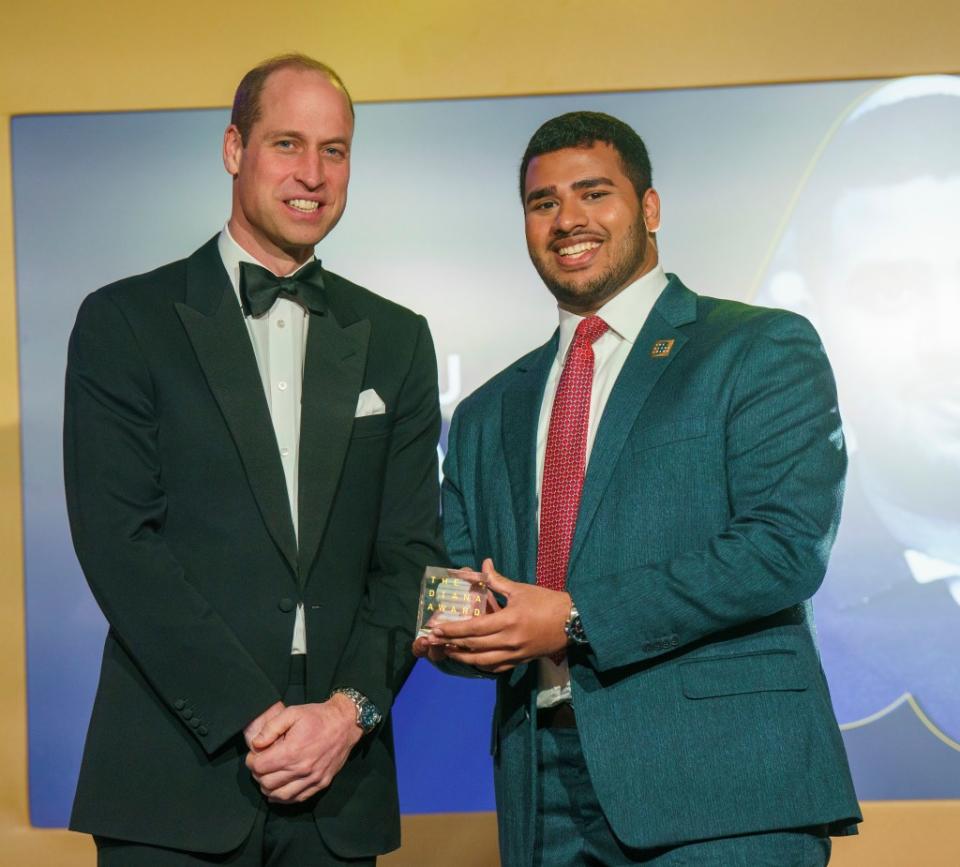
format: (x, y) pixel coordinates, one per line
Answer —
(273, 135)
(283, 133)
(584, 184)
(542, 193)
(589, 183)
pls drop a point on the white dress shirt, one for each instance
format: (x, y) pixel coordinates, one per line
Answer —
(279, 339)
(625, 315)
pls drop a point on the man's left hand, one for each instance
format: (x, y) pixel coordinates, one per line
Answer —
(529, 626)
(300, 750)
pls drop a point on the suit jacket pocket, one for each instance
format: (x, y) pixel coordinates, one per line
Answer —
(764, 671)
(668, 432)
(372, 425)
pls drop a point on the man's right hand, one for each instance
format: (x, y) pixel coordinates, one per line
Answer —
(256, 726)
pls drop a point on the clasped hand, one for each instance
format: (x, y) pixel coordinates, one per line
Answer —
(528, 626)
(296, 751)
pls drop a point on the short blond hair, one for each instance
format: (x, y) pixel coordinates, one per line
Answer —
(246, 101)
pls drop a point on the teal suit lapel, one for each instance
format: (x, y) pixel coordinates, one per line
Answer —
(214, 323)
(676, 306)
(520, 411)
(334, 366)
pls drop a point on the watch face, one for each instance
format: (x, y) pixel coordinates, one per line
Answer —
(574, 630)
(368, 716)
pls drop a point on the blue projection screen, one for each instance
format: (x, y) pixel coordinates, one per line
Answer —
(838, 200)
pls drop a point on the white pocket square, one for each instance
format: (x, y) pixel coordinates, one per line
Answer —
(370, 403)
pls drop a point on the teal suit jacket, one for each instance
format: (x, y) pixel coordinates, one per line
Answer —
(710, 503)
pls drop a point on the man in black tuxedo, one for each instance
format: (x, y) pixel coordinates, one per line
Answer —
(250, 460)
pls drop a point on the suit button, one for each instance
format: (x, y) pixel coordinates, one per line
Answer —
(286, 604)
(179, 704)
(186, 713)
(195, 723)
(202, 731)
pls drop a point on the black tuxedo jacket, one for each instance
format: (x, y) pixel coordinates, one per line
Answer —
(181, 522)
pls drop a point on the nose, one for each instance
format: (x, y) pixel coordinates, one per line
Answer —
(310, 170)
(569, 215)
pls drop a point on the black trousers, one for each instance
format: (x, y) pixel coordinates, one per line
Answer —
(282, 836)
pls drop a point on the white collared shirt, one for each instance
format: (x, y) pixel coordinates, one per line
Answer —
(279, 339)
(625, 314)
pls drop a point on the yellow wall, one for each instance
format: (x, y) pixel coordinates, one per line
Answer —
(64, 55)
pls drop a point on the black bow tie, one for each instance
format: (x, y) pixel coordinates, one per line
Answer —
(259, 288)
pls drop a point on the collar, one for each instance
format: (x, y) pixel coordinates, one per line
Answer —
(233, 254)
(625, 313)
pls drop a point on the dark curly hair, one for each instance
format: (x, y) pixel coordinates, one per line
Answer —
(581, 129)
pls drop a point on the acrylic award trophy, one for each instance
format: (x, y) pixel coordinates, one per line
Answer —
(450, 594)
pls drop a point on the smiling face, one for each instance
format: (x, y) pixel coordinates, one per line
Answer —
(588, 234)
(290, 176)
(890, 305)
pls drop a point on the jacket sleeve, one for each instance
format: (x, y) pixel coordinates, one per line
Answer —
(785, 466)
(378, 657)
(456, 527)
(117, 510)
(456, 531)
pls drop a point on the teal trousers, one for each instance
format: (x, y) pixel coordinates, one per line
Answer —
(572, 831)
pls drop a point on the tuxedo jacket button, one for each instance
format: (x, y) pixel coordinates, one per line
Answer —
(179, 704)
(186, 713)
(286, 604)
(202, 731)
(195, 723)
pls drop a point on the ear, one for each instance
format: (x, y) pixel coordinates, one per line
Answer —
(232, 150)
(650, 205)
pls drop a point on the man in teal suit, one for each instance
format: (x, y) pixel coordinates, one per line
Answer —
(662, 483)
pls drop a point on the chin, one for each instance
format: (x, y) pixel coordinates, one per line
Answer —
(587, 295)
(293, 240)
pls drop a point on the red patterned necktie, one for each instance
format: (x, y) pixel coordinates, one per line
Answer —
(565, 460)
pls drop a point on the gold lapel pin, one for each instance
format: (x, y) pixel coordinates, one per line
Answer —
(661, 348)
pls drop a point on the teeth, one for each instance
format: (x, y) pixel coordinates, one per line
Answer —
(582, 247)
(303, 204)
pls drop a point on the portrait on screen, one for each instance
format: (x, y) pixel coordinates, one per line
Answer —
(870, 254)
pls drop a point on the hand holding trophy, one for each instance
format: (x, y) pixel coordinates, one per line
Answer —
(450, 594)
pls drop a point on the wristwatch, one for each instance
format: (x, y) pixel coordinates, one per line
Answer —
(574, 626)
(368, 717)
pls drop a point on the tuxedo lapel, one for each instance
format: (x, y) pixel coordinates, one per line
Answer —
(333, 374)
(520, 412)
(214, 324)
(677, 306)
